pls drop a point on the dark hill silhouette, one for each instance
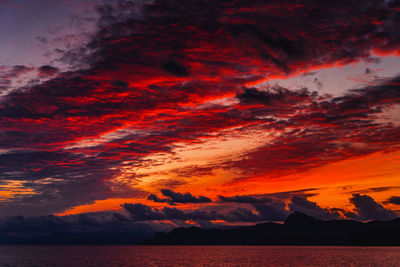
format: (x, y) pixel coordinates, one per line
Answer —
(298, 229)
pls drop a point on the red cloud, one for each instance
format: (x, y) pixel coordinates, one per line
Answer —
(157, 74)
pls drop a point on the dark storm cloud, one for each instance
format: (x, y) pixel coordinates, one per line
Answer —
(155, 198)
(365, 206)
(368, 209)
(176, 197)
(275, 95)
(375, 189)
(140, 212)
(253, 210)
(308, 192)
(268, 209)
(360, 103)
(394, 200)
(47, 70)
(175, 68)
(260, 212)
(184, 198)
(275, 211)
(302, 204)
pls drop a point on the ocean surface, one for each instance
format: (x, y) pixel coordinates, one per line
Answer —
(110, 256)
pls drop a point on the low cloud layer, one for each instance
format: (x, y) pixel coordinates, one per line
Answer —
(368, 209)
(255, 209)
(394, 200)
(176, 197)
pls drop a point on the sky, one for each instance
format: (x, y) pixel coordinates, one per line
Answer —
(166, 113)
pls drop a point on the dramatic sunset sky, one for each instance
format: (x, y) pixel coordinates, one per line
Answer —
(169, 113)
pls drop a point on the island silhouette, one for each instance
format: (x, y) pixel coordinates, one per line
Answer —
(297, 229)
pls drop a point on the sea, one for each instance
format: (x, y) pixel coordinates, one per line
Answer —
(281, 256)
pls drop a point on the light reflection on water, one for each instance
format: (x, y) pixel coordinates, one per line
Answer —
(110, 256)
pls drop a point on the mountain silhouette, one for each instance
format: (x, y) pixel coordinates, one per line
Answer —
(298, 229)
